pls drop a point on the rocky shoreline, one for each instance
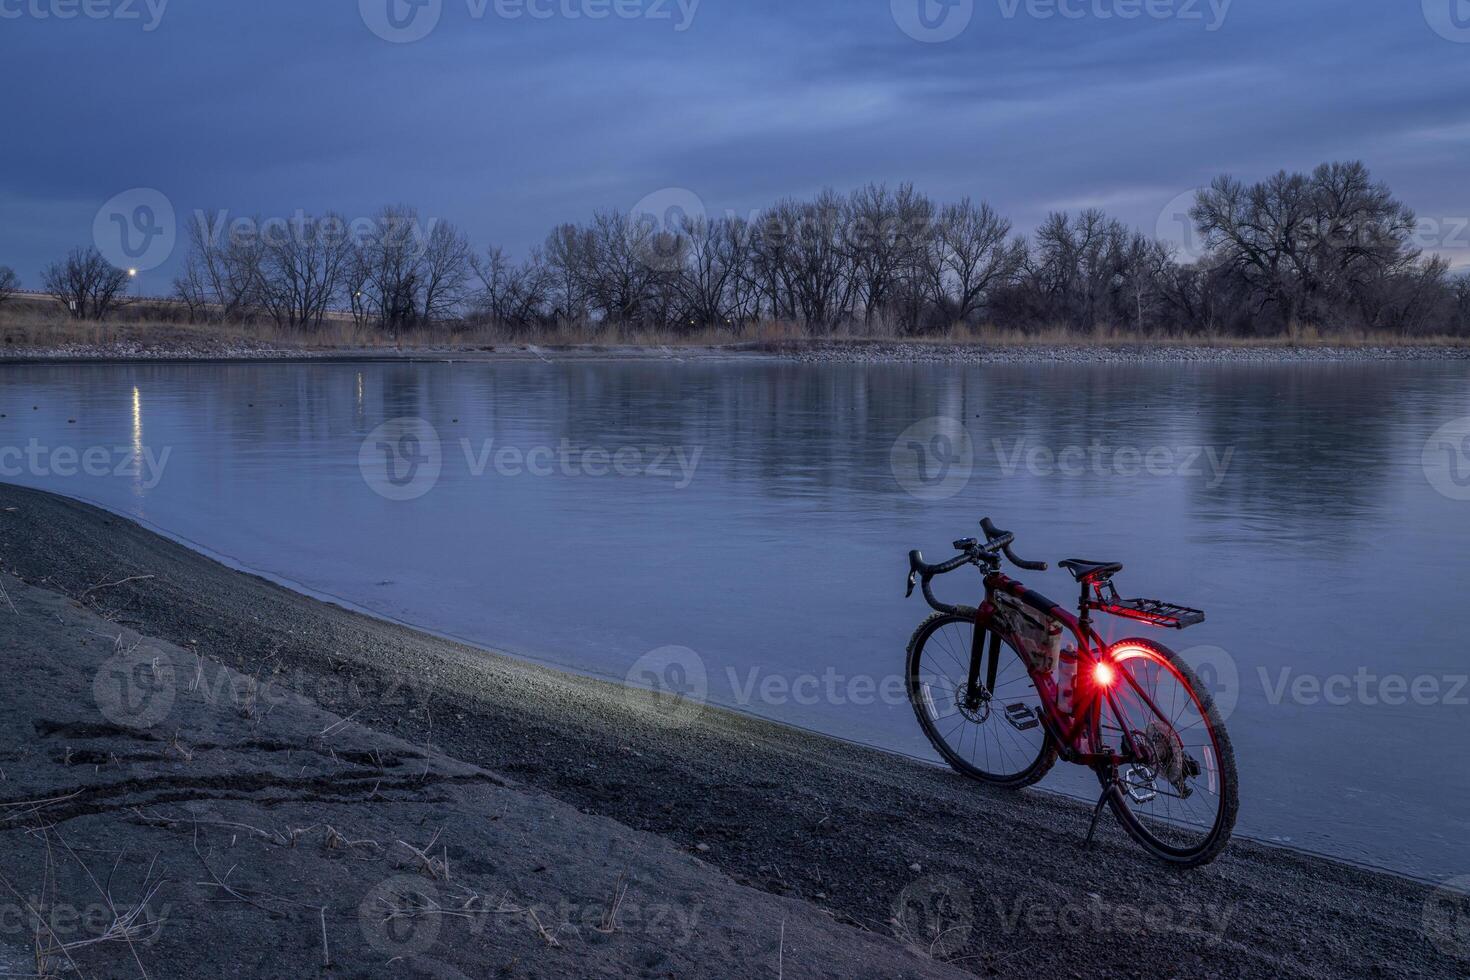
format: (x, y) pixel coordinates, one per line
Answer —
(812, 352)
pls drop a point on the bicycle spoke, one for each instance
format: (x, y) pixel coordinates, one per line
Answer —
(978, 732)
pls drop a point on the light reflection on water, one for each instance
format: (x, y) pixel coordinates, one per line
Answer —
(1311, 535)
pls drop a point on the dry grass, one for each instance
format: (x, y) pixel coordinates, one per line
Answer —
(23, 330)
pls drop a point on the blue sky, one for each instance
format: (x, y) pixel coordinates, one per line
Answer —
(508, 123)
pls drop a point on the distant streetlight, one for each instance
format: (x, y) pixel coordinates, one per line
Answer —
(132, 276)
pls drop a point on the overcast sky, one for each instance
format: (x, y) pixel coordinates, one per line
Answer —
(508, 123)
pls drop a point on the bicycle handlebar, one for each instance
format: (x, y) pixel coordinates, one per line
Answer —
(971, 553)
(1003, 541)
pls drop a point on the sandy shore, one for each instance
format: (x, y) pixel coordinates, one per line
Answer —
(807, 352)
(307, 756)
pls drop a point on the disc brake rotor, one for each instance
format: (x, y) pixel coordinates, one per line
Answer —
(979, 714)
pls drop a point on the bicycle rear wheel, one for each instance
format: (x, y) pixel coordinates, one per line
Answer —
(1000, 739)
(1180, 800)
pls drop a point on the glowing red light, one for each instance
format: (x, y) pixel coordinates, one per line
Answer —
(1105, 674)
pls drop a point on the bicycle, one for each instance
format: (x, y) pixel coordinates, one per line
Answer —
(1133, 711)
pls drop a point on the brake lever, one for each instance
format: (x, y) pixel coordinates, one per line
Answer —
(913, 575)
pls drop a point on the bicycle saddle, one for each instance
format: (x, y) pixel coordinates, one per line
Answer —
(1092, 571)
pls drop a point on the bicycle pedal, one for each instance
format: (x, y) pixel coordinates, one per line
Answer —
(1021, 717)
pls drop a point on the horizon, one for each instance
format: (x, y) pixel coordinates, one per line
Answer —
(767, 102)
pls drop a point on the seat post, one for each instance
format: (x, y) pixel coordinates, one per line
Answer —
(1084, 612)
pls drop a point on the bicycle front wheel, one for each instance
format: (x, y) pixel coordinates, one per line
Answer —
(1180, 798)
(994, 735)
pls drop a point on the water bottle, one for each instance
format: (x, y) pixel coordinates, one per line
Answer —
(1053, 646)
(1067, 680)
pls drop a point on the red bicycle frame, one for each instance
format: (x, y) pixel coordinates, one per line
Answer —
(1077, 734)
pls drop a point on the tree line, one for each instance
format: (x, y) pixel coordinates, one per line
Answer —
(1332, 250)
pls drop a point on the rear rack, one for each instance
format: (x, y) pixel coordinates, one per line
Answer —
(1154, 612)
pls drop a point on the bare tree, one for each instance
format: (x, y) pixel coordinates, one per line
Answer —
(709, 285)
(1320, 248)
(222, 274)
(445, 273)
(305, 261)
(86, 283)
(566, 251)
(806, 245)
(970, 255)
(392, 255)
(621, 265)
(515, 296)
(9, 283)
(886, 231)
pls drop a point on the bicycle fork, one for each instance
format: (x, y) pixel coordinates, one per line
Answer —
(979, 661)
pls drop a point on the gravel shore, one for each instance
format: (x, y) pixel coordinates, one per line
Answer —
(888, 852)
(812, 352)
(821, 353)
